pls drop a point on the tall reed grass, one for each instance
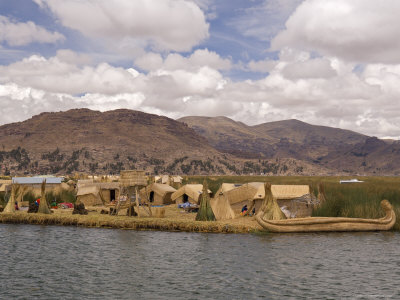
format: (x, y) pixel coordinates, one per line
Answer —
(361, 200)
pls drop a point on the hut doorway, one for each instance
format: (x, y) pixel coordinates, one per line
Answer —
(185, 198)
(112, 195)
(151, 196)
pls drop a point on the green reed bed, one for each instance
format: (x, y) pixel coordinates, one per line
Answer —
(361, 200)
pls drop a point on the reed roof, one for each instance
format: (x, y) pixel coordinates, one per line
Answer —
(289, 191)
(95, 187)
(158, 188)
(247, 191)
(192, 190)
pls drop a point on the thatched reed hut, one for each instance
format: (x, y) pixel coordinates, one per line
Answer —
(157, 193)
(296, 198)
(188, 193)
(249, 194)
(97, 193)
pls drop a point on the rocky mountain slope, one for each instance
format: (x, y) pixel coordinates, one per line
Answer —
(94, 142)
(86, 140)
(329, 150)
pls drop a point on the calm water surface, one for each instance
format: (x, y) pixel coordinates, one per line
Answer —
(40, 262)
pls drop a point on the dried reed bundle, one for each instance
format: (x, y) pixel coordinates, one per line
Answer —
(43, 206)
(10, 207)
(270, 209)
(205, 212)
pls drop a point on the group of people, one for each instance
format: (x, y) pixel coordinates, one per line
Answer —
(245, 211)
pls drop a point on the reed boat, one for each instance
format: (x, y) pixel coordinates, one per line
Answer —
(319, 224)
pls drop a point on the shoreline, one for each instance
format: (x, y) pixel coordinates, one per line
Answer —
(131, 223)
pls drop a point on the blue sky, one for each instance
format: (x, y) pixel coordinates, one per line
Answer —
(226, 33)
(326, 62)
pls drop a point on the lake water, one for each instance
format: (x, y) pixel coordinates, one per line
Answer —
(52, 262)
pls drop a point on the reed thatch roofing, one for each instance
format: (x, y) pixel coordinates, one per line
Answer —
(222, 208)
(87, 190)
(133, 178)
(192, 190)
(83, 182)
(177, 179)
(225, 187)
(158, 188)
(165, 179)
(289, 191)
(247, 191)
(95, 187)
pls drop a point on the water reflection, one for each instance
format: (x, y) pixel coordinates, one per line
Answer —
(70, 263)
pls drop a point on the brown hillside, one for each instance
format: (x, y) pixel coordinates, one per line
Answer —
(122, 137)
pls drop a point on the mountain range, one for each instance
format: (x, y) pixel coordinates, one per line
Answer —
(87, 141)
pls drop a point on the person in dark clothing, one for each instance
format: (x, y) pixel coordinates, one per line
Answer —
(244, 210)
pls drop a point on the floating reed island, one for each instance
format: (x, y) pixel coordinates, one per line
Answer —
(236, 206)
(174, 220)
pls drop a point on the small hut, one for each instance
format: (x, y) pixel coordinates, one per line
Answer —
(157, 193)
(296, 198)
(188, 193)
(97, 193)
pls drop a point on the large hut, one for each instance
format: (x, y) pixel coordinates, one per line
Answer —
(97, 193)
(157, 193)
(188, 193)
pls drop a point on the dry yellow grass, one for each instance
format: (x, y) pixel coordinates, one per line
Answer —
(175, 220)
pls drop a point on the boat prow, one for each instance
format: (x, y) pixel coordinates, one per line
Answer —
(324, 224)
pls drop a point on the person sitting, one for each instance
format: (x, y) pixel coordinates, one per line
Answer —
(253, 212)
(244, 210)
(16, 205)
(37, 202)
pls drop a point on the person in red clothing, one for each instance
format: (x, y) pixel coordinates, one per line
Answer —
(37, 202)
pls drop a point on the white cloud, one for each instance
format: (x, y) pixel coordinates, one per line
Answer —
(262, 66)
(176, 25)
(200, 58)
(21, 34)
(319, 90)
(313, 68)
(356, 30)
(72, 57)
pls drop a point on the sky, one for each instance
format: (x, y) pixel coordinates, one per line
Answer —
(325, 62)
